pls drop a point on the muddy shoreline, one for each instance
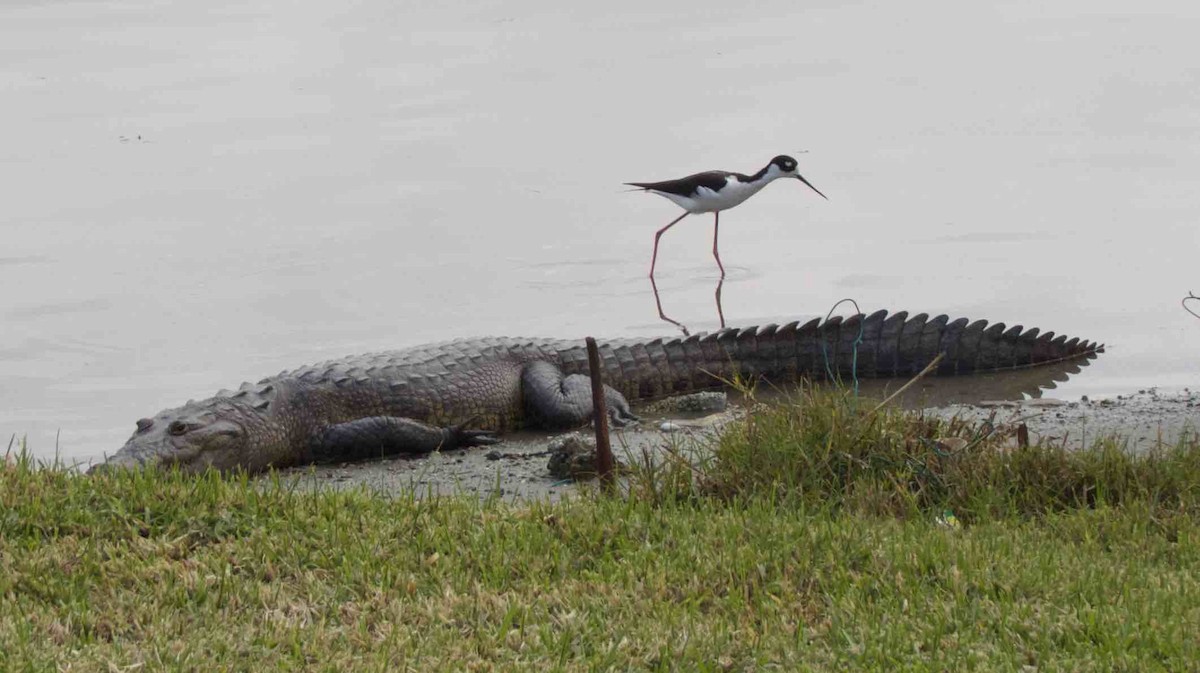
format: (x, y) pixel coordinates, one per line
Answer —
(517, 468)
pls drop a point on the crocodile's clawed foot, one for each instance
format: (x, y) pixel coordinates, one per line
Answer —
(466, 437)
(621, 416)
(479, 438)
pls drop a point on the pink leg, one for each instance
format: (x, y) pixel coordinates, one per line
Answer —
(654, 259)
(716, 225)
(720, 312)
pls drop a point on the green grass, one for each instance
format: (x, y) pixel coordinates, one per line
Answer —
(759, 561)
(828, 449)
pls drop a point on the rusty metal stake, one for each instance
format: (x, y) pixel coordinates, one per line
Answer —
(1023, 436)
(604, 457)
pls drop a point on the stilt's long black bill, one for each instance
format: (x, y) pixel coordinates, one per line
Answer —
(801, 179)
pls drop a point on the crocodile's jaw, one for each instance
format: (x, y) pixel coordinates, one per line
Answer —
(214, 434)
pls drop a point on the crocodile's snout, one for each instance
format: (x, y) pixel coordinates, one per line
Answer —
(193, 438)
(119, 460)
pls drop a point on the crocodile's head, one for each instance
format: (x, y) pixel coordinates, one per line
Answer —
(218, 433)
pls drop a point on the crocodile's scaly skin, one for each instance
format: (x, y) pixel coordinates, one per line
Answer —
(425, 398)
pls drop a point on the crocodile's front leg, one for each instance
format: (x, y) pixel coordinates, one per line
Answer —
(385, 435)
(556, 402)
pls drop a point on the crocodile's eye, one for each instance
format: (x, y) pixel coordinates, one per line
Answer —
(177, 428)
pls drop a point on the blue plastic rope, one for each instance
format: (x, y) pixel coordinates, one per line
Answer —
(858, 340)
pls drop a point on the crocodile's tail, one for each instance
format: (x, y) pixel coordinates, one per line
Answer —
(871, 346)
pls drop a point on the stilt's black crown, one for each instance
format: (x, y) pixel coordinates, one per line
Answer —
(784, 162)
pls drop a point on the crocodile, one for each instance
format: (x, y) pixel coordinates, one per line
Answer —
(463, 393)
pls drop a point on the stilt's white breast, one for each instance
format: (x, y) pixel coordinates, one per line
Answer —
(733, 193)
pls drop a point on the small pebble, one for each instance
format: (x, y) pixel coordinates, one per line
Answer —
(951, 444)
(668, 426)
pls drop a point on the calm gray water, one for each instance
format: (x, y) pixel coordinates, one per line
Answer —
(196, 194)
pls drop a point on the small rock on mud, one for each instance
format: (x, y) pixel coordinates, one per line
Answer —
(708, 402)
(573, 457)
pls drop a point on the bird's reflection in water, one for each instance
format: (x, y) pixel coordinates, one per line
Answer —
(683, 328)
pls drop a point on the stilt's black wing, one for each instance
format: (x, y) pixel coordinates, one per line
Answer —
(714, 180)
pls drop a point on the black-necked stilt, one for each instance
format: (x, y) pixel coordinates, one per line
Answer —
(714, 191)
